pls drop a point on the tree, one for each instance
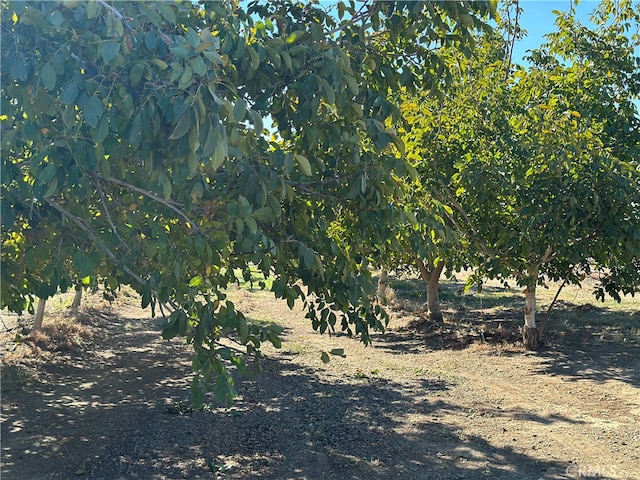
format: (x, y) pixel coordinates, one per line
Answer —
(434, 131)
(134, 152)
(541, 174)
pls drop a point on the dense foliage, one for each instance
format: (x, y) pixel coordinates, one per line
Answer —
(539, 166)
(134, 151)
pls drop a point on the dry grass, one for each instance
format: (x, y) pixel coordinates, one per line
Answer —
(61, 333)
(24, 351)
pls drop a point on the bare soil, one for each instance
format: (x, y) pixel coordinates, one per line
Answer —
(426, 401)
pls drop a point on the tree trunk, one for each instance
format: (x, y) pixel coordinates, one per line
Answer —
(530, 329)
(37, 321)
(431, 276)
(382, 286)
(77, 299)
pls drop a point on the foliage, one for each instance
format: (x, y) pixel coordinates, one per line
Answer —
(561, 177)
(539, 166)
(134, 151)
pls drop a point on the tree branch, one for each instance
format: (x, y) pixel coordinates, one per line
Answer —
(158, 199)
(462, 212)
(94, 236)
(361, 15)
(106, 211)
(116, 13)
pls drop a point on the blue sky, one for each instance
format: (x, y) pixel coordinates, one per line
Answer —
(538, 20)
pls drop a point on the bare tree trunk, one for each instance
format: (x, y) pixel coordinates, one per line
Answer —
(77, 299)
(37, 320)
(530, 329)
(382, 286)
(431, 276)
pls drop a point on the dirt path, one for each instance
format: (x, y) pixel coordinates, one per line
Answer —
(402, 409)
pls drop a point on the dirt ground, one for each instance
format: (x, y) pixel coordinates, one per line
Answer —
(415, 405)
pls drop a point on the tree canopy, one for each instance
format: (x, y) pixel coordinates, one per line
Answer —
(539, 166)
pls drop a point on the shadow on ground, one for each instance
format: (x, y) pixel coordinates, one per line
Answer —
(115, 412)
(111, 414)
(364, 441)
(84, 414)
(598, 363)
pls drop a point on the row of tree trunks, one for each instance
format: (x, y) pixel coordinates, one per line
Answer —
(39, 316)
(430, 273)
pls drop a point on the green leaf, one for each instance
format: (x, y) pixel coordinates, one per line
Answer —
(256, 119)
(96, 105)
(279, 287)
(325, 357)
(182, 127)
(305, 166)
(198, 66)
(196, 192)
(186, 79)
(82, 264)
(194, 139)
(47, 174)
(101, 131)
(210, 142)
(239, 110)
(192, 37)
(48, 76)
(136, 73)
(93, 112)
(166, 10)
(110, 50)
(262, 214)
(166, 188)
(251, 224)
(220, 151)
(69, 93)
(56, 19)
(329, 94)
(90, 116)
(242, 328)
(170, 329)
(308, 258)
(51, 187)
(243, 202)
(338, 351)
(255, 58)
(275, 340)
(135, 130)
(162, 65)
(92, 9)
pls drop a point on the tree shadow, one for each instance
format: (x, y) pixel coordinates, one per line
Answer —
(88, 408)
(586, 331)
(420, 333)
(598, 363)
(113, 416)
(374, 429)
